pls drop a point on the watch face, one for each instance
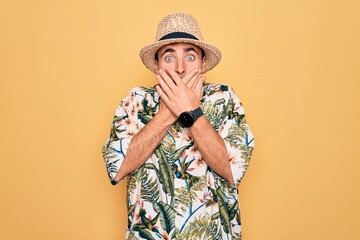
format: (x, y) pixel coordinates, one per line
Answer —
(186, 119)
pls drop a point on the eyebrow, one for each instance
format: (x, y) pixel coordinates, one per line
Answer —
(190, 49)
(167, 50)
(171, 50)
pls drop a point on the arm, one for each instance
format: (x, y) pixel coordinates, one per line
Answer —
(131, 142)
(227, 152)
(145, 142)
(183, 95)
(125, 151)
(212, 148)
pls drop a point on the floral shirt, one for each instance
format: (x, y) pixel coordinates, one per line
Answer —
(174, 194)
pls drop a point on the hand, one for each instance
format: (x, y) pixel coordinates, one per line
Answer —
(180, 94)
(192, 82)
(166, 113)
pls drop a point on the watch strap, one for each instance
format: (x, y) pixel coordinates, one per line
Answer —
(197, 113)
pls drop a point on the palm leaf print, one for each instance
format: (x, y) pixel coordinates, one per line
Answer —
(146, 234)
(203, 228)
(214, 112)
(115, 128)
(237, 236)
(169, 148)
(149, 90)
(109, 157)
(167, 215)
(246, 152)
(144, 117)
(179, 151)
(239, 118)
(149, 188)
(165, 172)
(236, 136)
(146, 226)
(233, 210)
(184, 198)
(132, 236)
(223, 211)
(133, 181)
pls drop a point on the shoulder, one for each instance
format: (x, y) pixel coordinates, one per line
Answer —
(218, 87)
(135, 98)
(218, 90)
(142, 90)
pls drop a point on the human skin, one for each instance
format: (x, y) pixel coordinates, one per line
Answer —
(179, 68)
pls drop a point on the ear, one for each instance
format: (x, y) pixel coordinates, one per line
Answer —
(203, 65)
(156, 67)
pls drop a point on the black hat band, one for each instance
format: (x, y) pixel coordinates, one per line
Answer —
(178, 35)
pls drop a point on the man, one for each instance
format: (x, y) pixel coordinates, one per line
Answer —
(184, 144)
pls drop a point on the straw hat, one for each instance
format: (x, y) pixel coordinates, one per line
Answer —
(176, 28)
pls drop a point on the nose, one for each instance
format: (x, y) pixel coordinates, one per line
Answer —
(180, 68)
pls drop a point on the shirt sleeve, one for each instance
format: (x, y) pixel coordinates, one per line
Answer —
(238, 137)
(124, 127)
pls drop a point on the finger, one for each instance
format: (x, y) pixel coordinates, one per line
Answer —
(176, 77)
(190, 75)
(162, 94)
(163, 85)
(167, 79)
(202, 78)
(193, 80)
(199, 84)
(191, 84)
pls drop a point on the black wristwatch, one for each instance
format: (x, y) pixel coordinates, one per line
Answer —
(187, 119)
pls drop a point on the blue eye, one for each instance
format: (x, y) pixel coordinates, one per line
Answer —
(169, 59)
(190, 58)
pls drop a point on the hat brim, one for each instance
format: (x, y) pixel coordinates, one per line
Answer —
(212, 54)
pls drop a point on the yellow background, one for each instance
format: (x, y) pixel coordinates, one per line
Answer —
(65, 65)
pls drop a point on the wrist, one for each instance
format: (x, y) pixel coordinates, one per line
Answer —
(188, 118)
(165, 119)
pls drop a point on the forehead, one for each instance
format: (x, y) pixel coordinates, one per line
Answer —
(180, 46)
